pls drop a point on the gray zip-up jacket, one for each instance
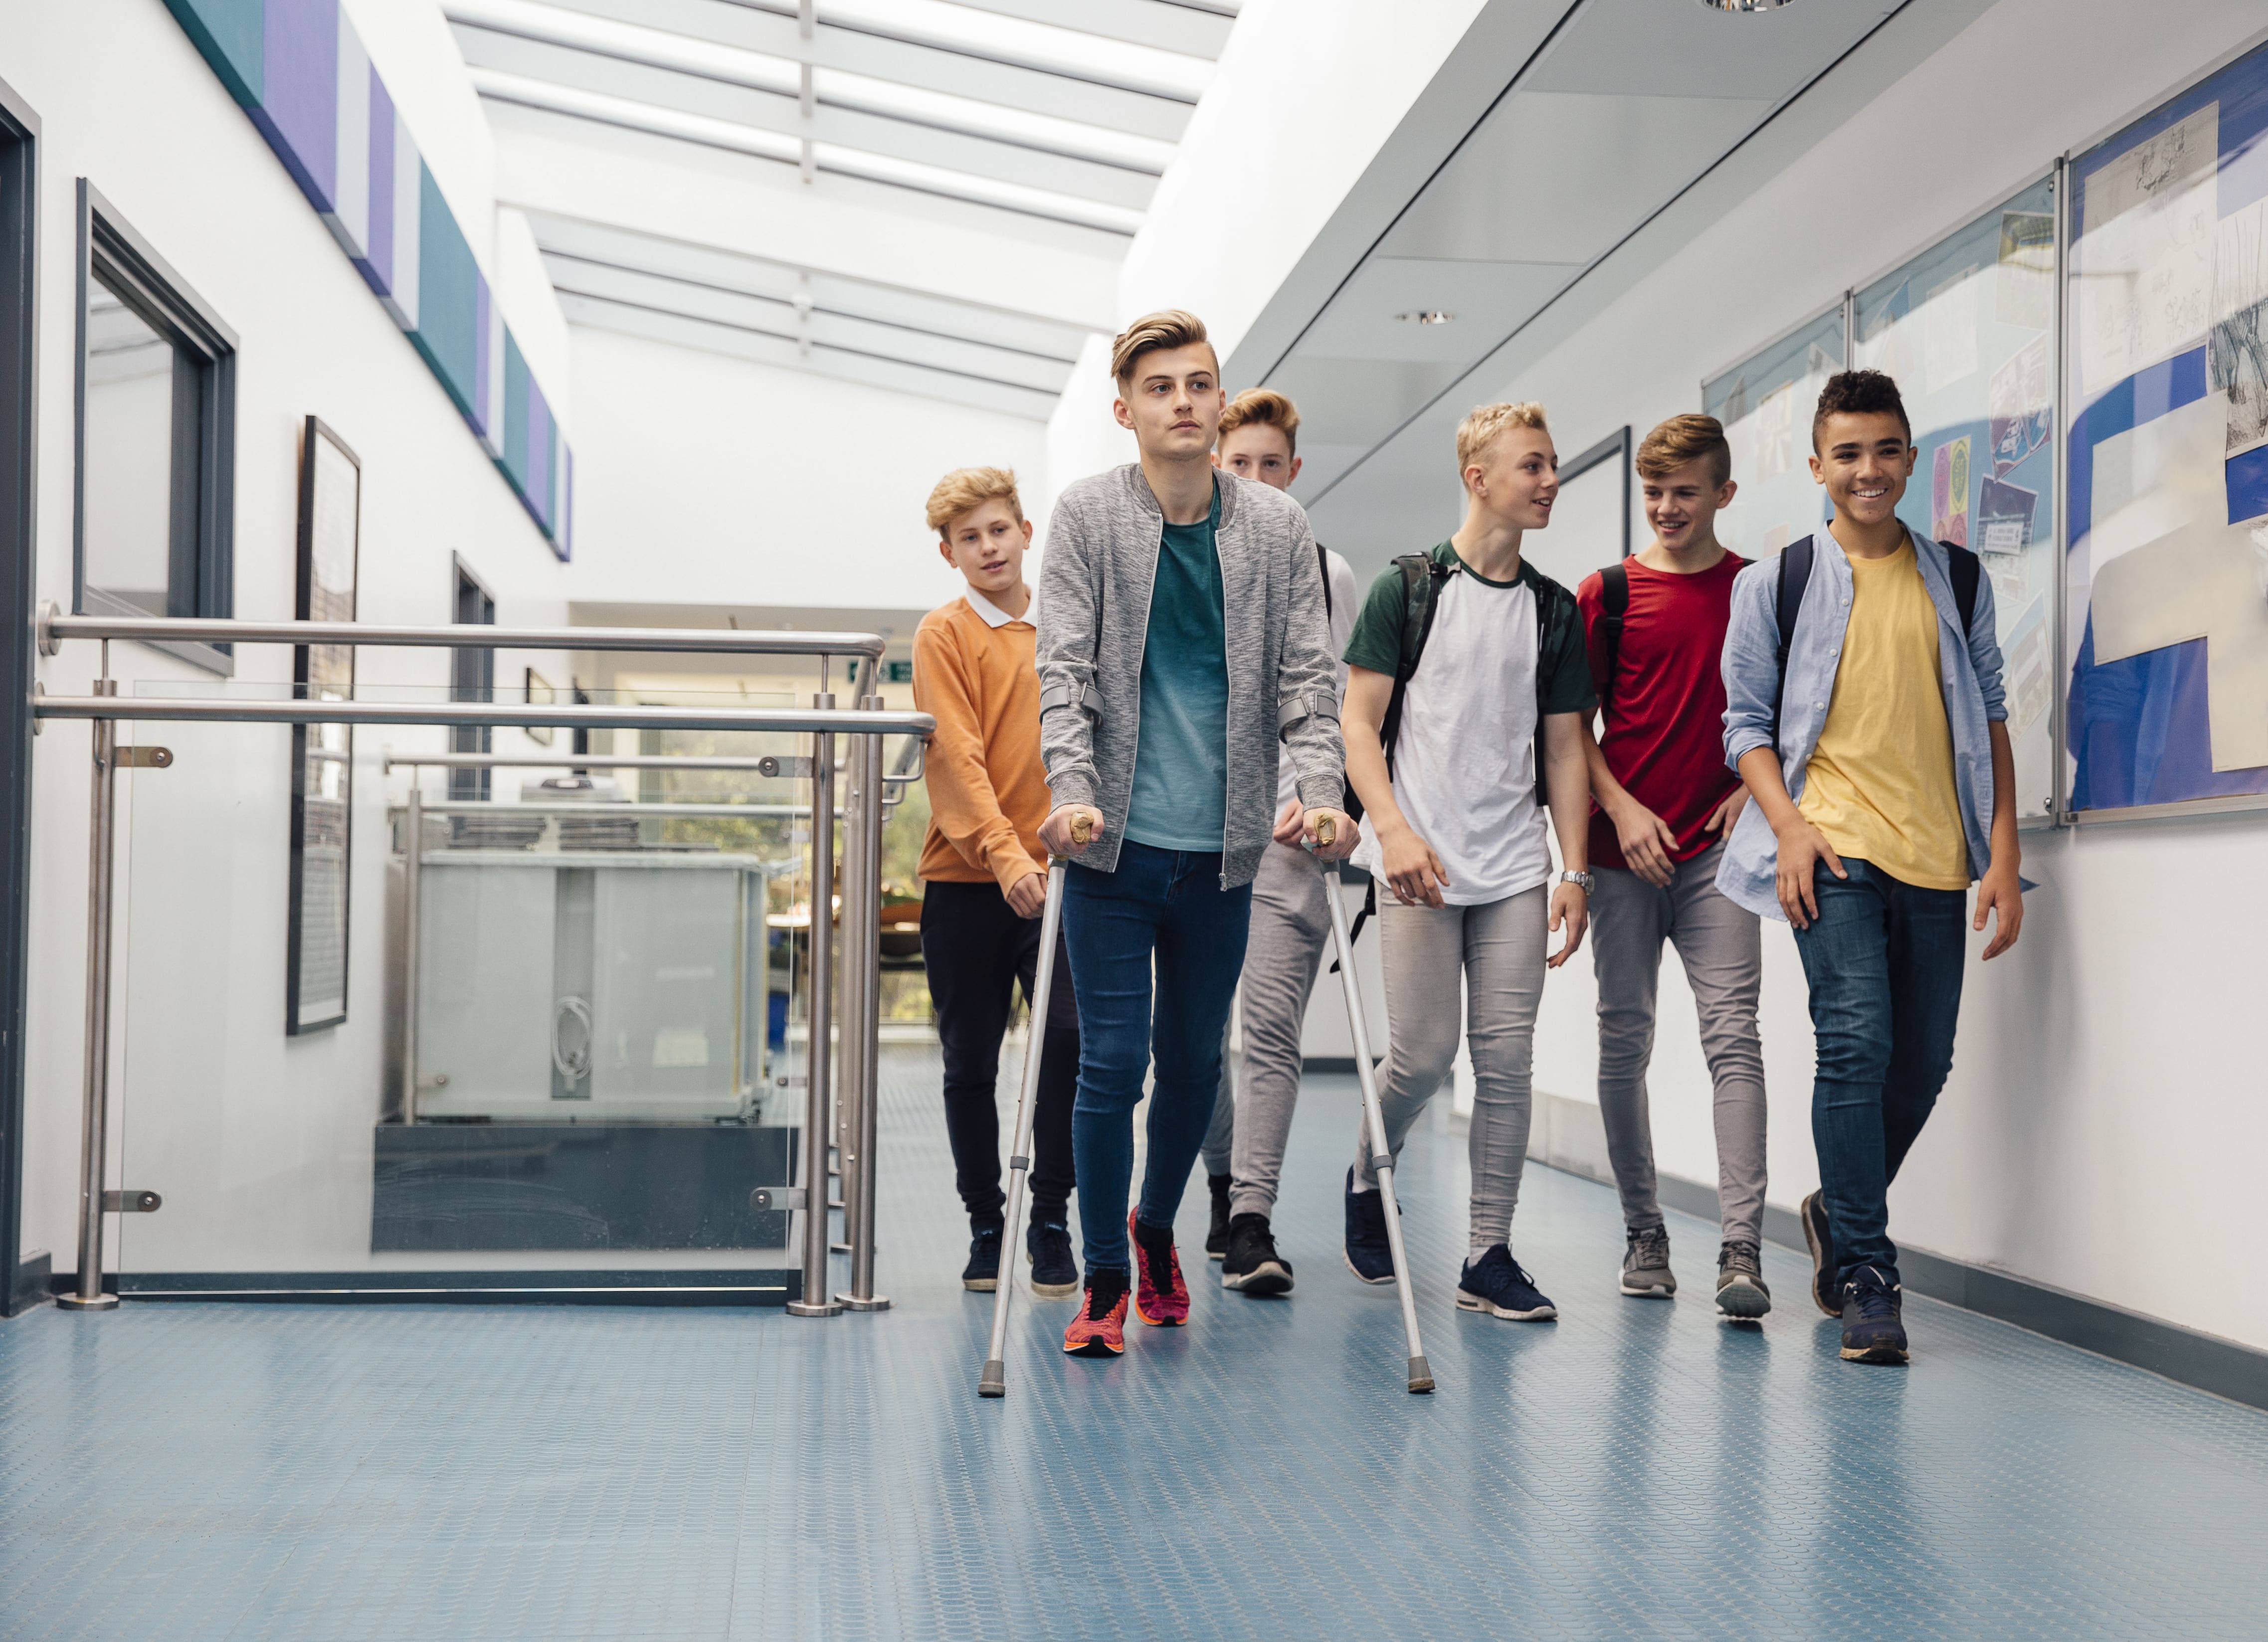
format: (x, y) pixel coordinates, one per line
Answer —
(1095, 581)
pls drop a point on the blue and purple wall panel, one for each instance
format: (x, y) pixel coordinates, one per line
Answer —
(300, 71)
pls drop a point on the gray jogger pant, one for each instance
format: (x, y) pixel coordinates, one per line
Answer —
(1722, 947)
(1221, 1132)
(1291, 926)
(1497, 948)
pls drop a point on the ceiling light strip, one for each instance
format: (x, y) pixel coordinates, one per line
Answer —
(965, 186)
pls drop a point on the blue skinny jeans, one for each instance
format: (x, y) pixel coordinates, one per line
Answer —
(1162, 913)
(1884, 960)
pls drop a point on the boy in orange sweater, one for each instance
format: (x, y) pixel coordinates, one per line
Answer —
(983, 871)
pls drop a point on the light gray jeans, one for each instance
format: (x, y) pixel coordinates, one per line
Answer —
(1497, 948)
(1722, 947)
(1291, 926)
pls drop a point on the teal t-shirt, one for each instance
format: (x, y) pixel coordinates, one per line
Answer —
(1181, 759)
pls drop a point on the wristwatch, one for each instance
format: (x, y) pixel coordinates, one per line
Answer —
(1582, 880)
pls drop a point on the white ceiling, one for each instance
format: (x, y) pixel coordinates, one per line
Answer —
(1036, 128)
(1522, 188)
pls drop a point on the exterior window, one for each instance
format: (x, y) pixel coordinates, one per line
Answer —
(472, 678)
(156, 434)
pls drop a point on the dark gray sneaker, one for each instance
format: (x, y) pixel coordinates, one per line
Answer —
(1741, 1295)
(1821, 1238)
(1645, 1265)
(1874, 1324)
(1252, 1266)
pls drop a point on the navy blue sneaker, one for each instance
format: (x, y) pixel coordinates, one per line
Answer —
(1874, 1330)
(1496, 1285)
(1368, 1255)
(1821, 1236)
(1055, 1271)
(982, 1271)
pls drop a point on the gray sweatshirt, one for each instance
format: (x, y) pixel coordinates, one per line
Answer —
(1096, 580)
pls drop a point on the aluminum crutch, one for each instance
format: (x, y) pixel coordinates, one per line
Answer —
(993, 1382)
(1421, 1376)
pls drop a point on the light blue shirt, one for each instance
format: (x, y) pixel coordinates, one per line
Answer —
(1969, 666)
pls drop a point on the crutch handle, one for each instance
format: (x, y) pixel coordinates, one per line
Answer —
(1082, 827)
(1327, 830)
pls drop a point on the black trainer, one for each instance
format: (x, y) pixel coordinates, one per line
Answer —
(1369, 1254)
(1252, 1265)
(1874, 1328)
(1055, 1271)
(1813, 1212)
(1216, 1236)
(982, 1271)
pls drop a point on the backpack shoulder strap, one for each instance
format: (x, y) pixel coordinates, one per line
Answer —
(1323, 568)
(1613, 605)
(1965, 570)
(1794, 575)
(1422, 576)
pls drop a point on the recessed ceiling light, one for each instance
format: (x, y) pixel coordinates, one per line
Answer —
(1743, 5)
(1426, 316)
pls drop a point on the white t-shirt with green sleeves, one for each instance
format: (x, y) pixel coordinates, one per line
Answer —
(1465, 766)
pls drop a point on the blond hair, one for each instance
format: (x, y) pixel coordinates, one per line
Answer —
(1263, 407)
(965, 489)
(1683, 439)
(1483, 422)
(1170, 327)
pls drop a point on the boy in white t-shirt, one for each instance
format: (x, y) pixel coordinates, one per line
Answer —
(1468, 671)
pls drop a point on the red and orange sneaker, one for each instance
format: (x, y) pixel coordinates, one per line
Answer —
(1160, 1298)
(1099, 1328)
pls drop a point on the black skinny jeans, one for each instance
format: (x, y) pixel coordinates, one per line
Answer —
(977, 951)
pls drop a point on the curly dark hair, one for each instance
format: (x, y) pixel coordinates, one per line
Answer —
(1859, 392)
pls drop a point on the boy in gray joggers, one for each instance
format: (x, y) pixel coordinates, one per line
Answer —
(1488, 724)
(1654, 628)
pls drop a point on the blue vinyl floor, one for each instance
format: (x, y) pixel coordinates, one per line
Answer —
(1635, 1470)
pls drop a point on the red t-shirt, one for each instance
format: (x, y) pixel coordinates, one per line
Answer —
(1665, 706)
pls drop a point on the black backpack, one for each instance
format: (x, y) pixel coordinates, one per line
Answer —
(1962, 567)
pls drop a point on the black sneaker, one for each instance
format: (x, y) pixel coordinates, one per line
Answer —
(1055, 1272)
(1495, 1284)
(1217, 1236)
(1252, 1265)
(982, 1271)
(1368, 1255)
(1874, 1330)
(1645, 1265)
(1741, 1295)
(1813, 1212)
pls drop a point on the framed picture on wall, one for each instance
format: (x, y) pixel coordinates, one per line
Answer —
(322, 755)
(540, 693)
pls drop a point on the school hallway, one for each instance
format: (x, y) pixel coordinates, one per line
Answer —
(317, 1472)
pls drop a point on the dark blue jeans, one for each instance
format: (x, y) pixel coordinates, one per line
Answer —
(1162, 909)
(1884, 960)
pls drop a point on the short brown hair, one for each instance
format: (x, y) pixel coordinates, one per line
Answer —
(1483, 422)
(967, 488)
(1263, 407)
(1859, 394)
(1683, 439)
(1169, 327)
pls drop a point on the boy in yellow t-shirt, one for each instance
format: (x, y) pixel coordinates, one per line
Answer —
(1870, 730)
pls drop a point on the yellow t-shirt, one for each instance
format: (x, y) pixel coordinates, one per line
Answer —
(1880, 782)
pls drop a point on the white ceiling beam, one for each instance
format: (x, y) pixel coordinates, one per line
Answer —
(833, 157)
(839, 226)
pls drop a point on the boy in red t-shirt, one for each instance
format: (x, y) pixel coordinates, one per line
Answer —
(1663, 804)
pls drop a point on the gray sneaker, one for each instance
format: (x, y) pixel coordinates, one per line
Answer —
(1645, 1265)
(1741, 1295)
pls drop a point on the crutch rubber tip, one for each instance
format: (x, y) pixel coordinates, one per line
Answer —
(1421, 1376)
(993, 1382)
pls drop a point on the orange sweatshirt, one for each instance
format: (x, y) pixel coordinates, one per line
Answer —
(988, 790)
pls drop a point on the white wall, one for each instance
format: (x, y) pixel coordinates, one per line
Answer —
(210, 1097)
(707, 480)
(2103, 1129)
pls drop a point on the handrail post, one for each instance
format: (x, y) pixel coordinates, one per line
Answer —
(93, 1141)
(413, 862)
(815, 1302)
(862, 960)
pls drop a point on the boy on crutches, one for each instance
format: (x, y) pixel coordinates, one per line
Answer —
(1181, 642)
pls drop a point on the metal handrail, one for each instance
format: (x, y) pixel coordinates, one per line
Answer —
(54, 627)
(105, 709)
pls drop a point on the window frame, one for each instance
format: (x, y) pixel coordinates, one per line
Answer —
(201, 573)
